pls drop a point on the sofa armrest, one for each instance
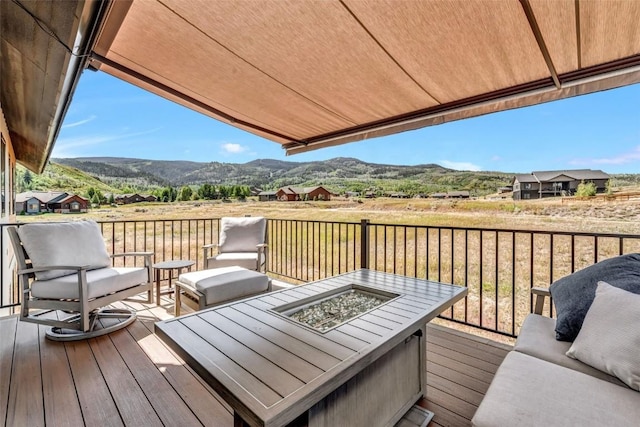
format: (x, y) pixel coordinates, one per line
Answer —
(540, 294)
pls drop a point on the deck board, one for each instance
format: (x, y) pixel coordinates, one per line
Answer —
(132, 378)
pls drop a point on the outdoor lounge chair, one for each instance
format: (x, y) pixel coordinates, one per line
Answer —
(66, 279)
(242, 242)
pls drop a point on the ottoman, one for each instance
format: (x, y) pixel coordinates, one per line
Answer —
(219, 285)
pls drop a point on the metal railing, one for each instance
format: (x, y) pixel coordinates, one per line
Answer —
(498, 266)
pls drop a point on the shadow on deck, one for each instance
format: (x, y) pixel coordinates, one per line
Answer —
(131, 378)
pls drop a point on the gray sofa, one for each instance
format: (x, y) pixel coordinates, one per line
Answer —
(539, 385)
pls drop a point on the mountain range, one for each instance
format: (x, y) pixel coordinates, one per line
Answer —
(338, 174)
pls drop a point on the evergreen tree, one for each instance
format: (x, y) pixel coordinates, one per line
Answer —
(185, 193)
(90, 193)
(27, 179)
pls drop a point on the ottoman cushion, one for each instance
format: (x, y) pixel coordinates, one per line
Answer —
(222, 284)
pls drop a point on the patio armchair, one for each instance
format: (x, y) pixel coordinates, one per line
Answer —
(66, 279)
(242, 242)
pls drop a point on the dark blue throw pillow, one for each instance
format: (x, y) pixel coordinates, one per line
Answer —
(573, 294)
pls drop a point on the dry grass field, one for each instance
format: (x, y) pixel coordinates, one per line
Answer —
(412, 237)
(549, 214)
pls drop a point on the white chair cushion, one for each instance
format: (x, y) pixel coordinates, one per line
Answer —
(100, 282)
(71, 243)
(223, 284)
(242, 234)
(609, 339)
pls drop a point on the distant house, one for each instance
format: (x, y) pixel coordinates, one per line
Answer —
(35, 202)
(125, 199)
(267, 196)
(29, 204)
(538, 185)
(458, 194)
(451, 195)
(70, 204)
(291, 194)
(352, 194)
(398, 195)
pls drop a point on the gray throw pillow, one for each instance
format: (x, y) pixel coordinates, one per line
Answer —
(573, 294)
(609, 339)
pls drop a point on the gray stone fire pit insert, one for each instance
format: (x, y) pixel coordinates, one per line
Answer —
(328, 310)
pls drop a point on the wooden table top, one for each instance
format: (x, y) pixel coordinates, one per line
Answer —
(271, 369)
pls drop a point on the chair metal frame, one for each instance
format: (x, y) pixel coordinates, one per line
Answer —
(212, 249)
(84, 321)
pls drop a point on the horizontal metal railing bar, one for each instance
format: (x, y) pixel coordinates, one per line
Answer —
(507, 230)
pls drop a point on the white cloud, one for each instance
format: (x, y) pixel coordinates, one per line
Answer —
(69, 147)
(80, 122)
(231, 148)
(620, 159)
(463, 166)
(496, 158)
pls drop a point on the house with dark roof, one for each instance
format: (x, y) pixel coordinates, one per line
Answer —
(267, 196)
(72, 203)
(538, 185)
(35, 202)
(303, 193)
(126, 199)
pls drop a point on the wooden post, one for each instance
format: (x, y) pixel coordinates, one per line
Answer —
(364, 243)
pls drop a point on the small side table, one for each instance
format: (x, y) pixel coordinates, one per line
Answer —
(177, 265)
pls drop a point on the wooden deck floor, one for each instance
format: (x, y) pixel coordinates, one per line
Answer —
(131, 378)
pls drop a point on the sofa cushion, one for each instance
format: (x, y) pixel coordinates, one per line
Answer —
(242, 234)
(100, 282)
(527, 391)
(574, 293)
(537, 338)
(223, 284)
(66, 244)
(610, 336)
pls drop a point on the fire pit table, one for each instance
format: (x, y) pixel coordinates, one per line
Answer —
(347, 350)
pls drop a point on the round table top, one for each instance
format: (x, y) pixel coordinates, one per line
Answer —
(176, 263)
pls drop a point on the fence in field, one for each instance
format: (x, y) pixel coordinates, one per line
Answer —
(498, 266)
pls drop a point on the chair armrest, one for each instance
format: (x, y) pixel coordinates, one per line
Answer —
(147, 258)
(208, 248)
(53, 267)
(540, 294)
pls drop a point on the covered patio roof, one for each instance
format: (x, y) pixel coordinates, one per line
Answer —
(312, 74)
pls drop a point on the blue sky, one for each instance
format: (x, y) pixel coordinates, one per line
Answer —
(109, 117)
